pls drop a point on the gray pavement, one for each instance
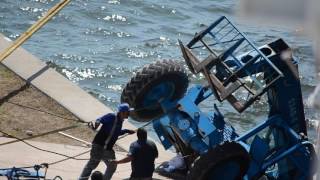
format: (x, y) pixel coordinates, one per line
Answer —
(20, 154)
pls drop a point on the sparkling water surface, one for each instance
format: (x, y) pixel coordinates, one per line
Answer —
(100, 44)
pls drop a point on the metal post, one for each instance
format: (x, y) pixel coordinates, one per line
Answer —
(318, 150)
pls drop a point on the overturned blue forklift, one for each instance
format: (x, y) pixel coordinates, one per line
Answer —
(240, 73)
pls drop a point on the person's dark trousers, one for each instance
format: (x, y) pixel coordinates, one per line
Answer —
(144, 178)
(97, 154)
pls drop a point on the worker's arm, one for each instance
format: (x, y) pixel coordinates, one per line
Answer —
(127, 131)
(107, 120)
(124, 160)
(130, 155)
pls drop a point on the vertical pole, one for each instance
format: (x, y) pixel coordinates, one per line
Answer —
(318, 151)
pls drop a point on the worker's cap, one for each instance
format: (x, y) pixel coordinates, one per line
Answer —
(124, 107)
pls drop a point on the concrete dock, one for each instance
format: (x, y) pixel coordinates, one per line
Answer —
(74, 99)
(20, 154)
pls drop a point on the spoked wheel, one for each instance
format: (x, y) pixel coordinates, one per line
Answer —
(227, 161)
(160, 81)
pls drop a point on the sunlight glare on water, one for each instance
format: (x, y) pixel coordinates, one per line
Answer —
(101, 44)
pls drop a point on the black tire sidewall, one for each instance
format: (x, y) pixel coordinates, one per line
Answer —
(228, 151)
(149, 77)
(173, 78)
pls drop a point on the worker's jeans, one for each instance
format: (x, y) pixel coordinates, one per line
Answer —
(147, 178)
(97, 154)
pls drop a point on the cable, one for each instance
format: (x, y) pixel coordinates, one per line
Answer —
(14, 93)
(44, 150)
(52, 114)
(59, 116)
(39, 135)
(136, 129)
(68, 157)
(71, 157)
(77, 120)
(48, 151)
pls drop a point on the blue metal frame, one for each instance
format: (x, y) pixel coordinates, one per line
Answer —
(283, 151)
(298, 144)
(17, 173)
(201, 122)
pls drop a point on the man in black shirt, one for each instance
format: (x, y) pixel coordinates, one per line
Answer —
(104, 140)
(142, 154)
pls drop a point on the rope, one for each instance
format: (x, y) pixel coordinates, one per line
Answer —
(24, 86)
(71, 119)
(50, 113)
(39, 135)
(71, 157)
(35, 147)
(59, 116)
(67, 157)
(136, 129)
(14, 93)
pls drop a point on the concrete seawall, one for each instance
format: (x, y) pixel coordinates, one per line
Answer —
(70, 96)
(55, 85)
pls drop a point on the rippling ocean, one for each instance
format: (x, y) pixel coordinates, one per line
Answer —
(100, 44)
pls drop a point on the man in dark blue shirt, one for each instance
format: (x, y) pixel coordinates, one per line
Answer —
(104, 140)
(142, 154)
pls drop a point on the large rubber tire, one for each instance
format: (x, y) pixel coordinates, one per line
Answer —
(222, 162)
(163, 80)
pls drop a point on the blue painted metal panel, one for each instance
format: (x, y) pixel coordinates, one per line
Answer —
(281, 144)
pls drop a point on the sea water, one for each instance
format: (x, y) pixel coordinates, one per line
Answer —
(101, 44)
